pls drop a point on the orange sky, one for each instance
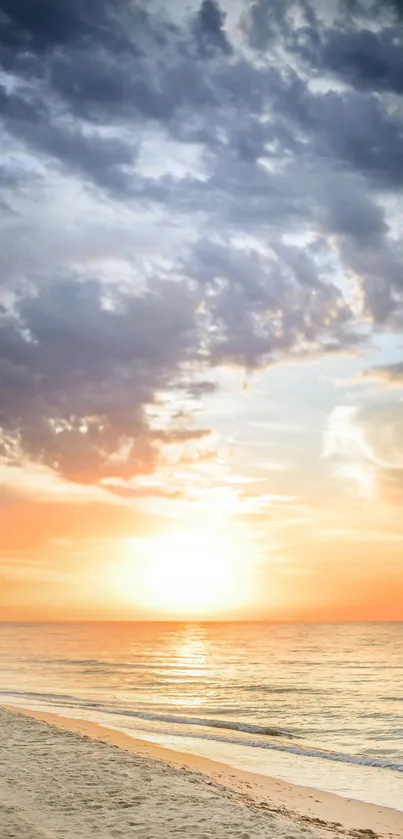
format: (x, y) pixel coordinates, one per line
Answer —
(208, 539)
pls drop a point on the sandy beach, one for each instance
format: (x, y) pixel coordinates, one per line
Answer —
(69, 778)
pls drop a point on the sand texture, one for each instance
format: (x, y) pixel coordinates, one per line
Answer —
(60, 783)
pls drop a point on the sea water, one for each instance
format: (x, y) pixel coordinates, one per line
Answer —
(314, 704)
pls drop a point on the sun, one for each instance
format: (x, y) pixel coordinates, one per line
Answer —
(185, 574)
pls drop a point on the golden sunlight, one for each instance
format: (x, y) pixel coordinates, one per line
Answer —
(185, 574)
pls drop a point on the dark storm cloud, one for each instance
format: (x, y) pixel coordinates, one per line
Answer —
(366, 59)
(352, 131)
(263, 308)
(100, 158)
(41, 25)
(361, 134)
(296, 137)
(77, 372)
(210, 30)
(264, 21)
(113, 59)
(159, 77)
(356, 129)
(84, 66)
(80, 363)
(352, 213)
(397, 5)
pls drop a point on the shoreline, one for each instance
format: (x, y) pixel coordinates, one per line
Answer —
(304, 805)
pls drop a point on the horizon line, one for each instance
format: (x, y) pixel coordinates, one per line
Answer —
(203, 621)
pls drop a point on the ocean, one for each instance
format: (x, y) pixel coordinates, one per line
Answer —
(314, 704)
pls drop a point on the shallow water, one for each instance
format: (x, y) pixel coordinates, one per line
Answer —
(320, 705)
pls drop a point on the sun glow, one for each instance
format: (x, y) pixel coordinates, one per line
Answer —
(186, 574)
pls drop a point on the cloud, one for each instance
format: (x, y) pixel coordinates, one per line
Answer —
(265, 21)
(383, 429)
(263, 307)
(128, 490)
(78, 370)
(391, 374)
(210, 30)
(366, 446)
(201, 388)
(182, 194)
(354, 214)
(365, 59)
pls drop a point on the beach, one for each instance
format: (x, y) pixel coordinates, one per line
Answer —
(313, 706)
(74, 779)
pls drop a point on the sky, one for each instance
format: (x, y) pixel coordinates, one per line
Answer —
(201, 309)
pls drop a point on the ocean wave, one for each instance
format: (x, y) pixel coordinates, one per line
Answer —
(51, 698)
(247, 728)
(264, 732)
(290, 748)
(90, 662)
(62, 699)
(33, 694)
(274, 689)
(306, 751)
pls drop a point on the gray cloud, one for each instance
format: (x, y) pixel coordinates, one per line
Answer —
(366, 59)
(263, 308)
(293, 144)
(266, 21)
(389, 373)
(102, 159)
(78, 370)
(352, 213)
(210, 30)
(81, 361)
(42, 26)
